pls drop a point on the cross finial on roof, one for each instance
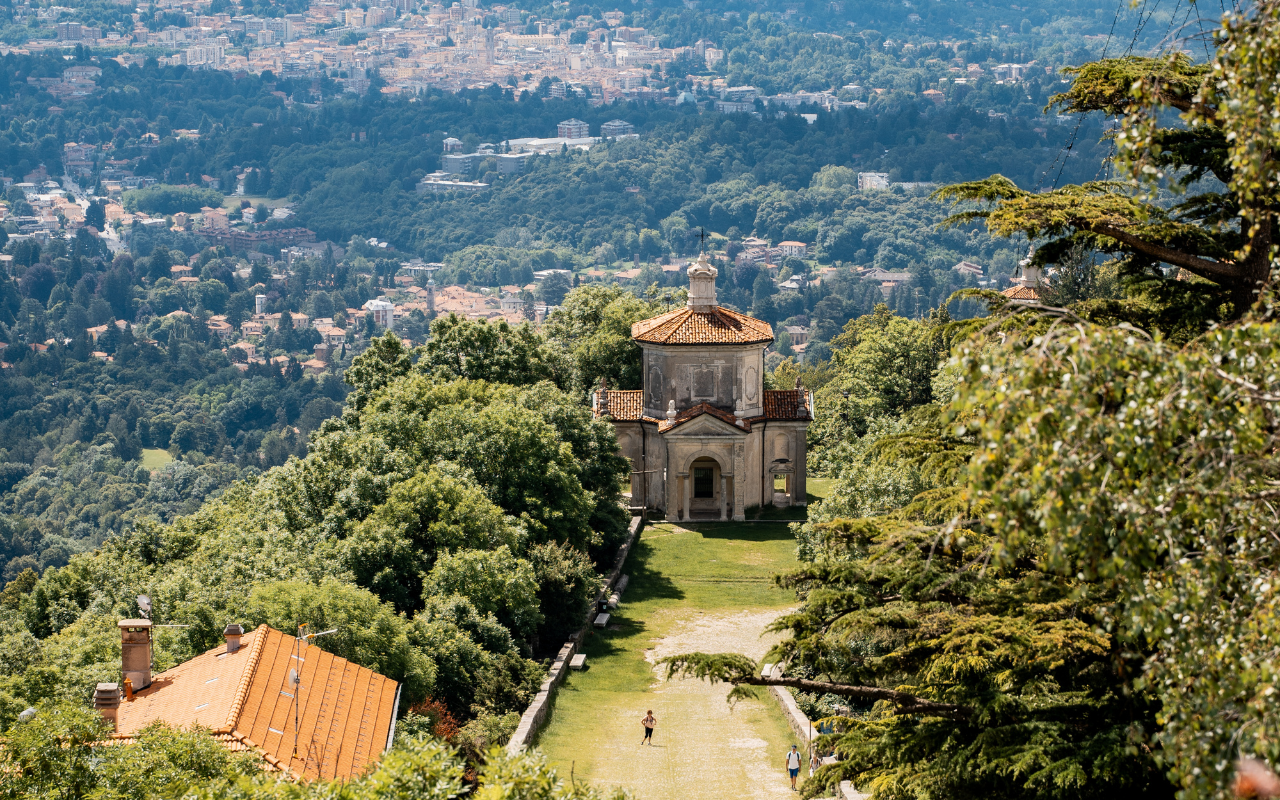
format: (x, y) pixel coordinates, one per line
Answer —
(702, 237)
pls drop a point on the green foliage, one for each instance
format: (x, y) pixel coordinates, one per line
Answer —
(882, 365)
(593, 327)
(494, 581)
(1140, 467)
(163, 761)
(1224, 134)
(54, 756)
(393, 549)
(368, 632)
(49, 756)
(480, 350)
(165, 199)
(957, 662)
(385, 360)
(567, 587)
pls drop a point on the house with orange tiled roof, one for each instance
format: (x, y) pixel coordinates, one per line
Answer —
(705, 439)
(1027, 286)
(304, 711)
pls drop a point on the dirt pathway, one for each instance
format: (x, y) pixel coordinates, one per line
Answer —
(706, 588)
(702, 748)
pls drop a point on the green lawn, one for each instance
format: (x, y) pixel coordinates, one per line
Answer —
(231, 202)
(694, 586)
(818, 488)
(155, 458)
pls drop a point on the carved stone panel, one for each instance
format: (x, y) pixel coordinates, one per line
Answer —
(655, 385)
(704, 383)
(751, 380)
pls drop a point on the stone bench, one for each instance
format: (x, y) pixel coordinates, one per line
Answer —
(601, 620)
(578, 662)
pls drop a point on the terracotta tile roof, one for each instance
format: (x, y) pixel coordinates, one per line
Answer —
(1024, 293)
(786, 404)
(623, 405)
(697, 411)
(247, 701)
(718, 326)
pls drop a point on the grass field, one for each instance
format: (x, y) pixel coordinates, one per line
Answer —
(703, 586)
(818, 488)
(155, 458)
(233, 201)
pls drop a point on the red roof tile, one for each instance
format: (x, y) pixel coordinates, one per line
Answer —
(697, 411)
(718, 326)
(343, 712)
(1024, 293)
(786, 404)
(623, 405)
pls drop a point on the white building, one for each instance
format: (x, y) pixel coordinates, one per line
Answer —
(383, 312)
(573, 129)
(872, 180)
(616, 128)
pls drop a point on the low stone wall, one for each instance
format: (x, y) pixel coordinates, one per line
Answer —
(847, 792)
(796, 718)
(803, 728)
(536, 714)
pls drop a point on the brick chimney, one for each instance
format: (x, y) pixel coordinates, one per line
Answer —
(135, 652)
(106, 698)
(233, 633)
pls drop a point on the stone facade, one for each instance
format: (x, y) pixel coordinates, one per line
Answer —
(704, 437)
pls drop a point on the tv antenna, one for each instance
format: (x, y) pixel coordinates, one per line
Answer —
(295, 675)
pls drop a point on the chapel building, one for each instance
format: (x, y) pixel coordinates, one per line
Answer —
(705, 439)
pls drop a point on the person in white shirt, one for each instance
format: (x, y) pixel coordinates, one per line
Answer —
(793, 766)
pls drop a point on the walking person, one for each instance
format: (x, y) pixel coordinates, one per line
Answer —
(815, 761)
(649, 722)
(793, 766)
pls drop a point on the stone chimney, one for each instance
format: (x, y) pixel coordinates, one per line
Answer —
(135, 652)
(106, 698)
(702, 285)
(233, 633)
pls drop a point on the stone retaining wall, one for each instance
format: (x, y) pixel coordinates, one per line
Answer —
(796, 718)
(536, 714)
(802, 726)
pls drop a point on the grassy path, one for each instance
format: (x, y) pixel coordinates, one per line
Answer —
(709, 587)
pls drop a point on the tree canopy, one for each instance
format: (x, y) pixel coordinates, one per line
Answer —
(1224, 238)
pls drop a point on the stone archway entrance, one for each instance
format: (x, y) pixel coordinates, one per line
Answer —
(705, 494)
(706, 489)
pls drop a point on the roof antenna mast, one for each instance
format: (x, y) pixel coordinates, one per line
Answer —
(295, 677)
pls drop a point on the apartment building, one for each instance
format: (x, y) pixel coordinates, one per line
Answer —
(573, 129)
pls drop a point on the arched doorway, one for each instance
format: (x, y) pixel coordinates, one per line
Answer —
(704, 497)
(706, 488)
